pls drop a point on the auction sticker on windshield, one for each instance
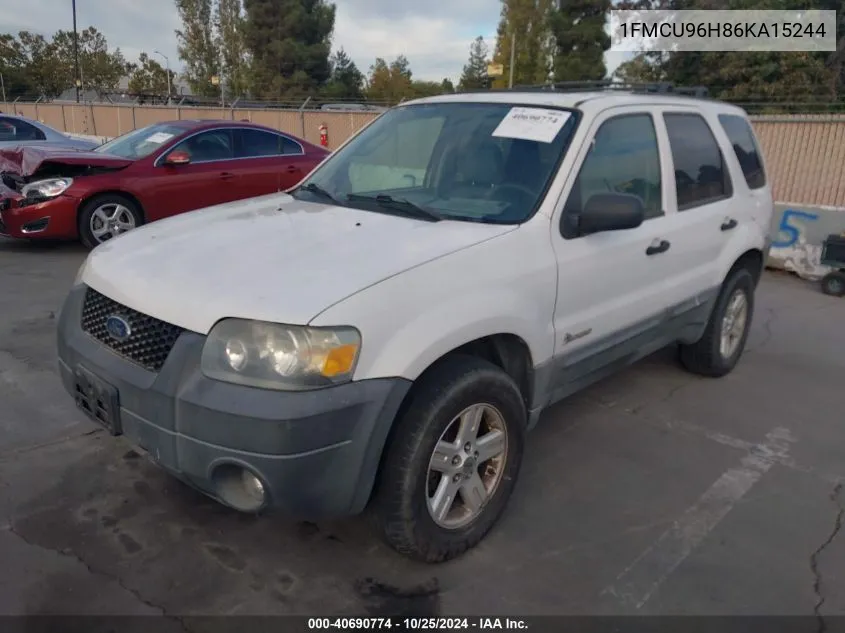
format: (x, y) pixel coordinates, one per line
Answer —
(532, 124)
(159, 137)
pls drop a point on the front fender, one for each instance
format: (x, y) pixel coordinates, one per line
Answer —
(506, 285)
(407, 349)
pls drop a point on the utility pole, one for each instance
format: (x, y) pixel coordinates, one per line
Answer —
(76, 80)
(169, 83)
(513, 51)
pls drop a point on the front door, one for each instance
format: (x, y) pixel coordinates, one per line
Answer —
(611, 299)
(212, 177)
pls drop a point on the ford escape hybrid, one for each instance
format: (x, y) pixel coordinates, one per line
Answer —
(382, 336)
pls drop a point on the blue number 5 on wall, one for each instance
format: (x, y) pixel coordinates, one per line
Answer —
(788, 234)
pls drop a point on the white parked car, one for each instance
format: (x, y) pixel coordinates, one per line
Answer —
(382, 336)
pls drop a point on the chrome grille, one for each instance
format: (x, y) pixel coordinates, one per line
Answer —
(150, 340)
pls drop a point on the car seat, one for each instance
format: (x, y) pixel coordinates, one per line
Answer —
(472, 169)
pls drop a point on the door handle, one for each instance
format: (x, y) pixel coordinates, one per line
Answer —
(729, 224)
(227, 175)
(658, 246)
(292, 168)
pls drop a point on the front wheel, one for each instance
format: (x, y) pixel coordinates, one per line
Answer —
(719, 350)
(452, 461)
(105, 217)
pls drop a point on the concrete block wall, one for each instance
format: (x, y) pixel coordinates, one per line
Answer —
(798, 231)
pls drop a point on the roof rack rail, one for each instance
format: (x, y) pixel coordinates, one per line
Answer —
(609, 85)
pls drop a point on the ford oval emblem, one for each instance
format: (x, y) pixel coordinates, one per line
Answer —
(118, 327)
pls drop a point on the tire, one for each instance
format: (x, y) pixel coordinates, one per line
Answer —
(706, 357)
(401, 506)
(128, 214)
(833, 284)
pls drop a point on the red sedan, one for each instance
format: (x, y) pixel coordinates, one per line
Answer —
(145, 175)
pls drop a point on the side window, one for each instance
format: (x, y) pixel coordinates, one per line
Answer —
(746, 149)
(289, 146)
(700, 173)
(7, 130)
(17, 130)
(623, 158)
(208, 146)
(255, 143)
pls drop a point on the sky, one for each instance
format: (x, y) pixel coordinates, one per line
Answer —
(434, 35)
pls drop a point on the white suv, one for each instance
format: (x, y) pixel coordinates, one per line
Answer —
(382, 336)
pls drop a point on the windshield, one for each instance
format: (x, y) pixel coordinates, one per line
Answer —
(141, 142)
(477, 162)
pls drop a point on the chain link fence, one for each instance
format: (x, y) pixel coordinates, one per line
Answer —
(805, 151)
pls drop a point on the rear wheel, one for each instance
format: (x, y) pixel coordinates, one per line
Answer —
(453, 460)
(105, 217)
(719, 350)
(834, 284)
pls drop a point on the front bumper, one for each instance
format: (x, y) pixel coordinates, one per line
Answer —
(316, 452)
(52, 219)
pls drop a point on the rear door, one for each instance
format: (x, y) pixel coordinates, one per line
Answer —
(740, 137)
(702, 201)
(270, 162)
(210, 178)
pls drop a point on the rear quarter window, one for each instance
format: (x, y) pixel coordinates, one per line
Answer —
(745, 147)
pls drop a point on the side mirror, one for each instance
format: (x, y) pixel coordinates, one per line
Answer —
(177, 158)
(611, 212)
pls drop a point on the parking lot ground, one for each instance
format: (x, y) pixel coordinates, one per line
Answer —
(653, 492)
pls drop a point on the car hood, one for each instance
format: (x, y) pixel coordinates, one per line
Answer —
(271, 258)
(27, 160)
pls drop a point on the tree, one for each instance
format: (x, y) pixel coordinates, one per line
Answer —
(741, 76)
(229, 24)
(196, 46)
(13, 66)
(474, 76)
(419, 89)
(580, 39)
(149, 77)
(42, 65)
(346, 81)
(525, 23)
(446, 86)
(100, 69)
(640, 69)
(290, 42)
(389, 83)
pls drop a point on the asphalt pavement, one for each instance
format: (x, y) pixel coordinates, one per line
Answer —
(653, 492)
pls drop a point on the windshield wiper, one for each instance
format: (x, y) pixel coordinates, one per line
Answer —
(318, 190)
(397, 204)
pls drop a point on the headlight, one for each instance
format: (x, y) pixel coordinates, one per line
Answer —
(274, 356)
(48, 188)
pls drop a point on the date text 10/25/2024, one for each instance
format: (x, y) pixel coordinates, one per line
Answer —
(417, 624)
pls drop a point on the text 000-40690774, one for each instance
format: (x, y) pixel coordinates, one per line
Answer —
(417, 624)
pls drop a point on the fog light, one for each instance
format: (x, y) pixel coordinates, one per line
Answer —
(238, 488)
(253, 486)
